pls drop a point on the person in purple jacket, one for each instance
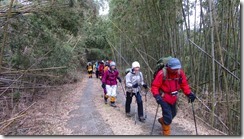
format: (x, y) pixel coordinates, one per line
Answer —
(109, 81)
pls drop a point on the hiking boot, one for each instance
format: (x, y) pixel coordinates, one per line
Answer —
(128, 114)
(161, 121)
(165, 128)
(142, 119)
(113, 104)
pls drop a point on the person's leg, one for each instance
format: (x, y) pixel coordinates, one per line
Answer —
(105, 95)
(113, 95)
(166, 120)
(108, 91)
(140, 106)
(128, 102)
(174, 110)
(90, 74)
(97, 73)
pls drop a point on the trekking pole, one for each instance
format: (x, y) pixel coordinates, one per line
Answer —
(146, 105)
(194, 118)
(124, 93)
(123, 88)
(135, 110)
(154, 120)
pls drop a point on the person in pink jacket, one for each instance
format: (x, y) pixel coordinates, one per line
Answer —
(109, 81)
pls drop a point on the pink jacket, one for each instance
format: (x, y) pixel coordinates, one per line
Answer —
(110, 77)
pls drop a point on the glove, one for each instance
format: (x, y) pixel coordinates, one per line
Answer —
(145, 86)
(191, 97)
(135, 85)
(119, 79)
(103, 85)
(159, 99)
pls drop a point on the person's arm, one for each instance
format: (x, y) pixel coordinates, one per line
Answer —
(184, 84)
(186, 88)
(104, 77)
(155, 87)
(128, 82)
(142, 81)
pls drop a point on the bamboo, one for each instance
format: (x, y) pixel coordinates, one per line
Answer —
(117, 52)
(227, 70)
(5, 34)
(11, 119)
(20, 113)
(211, 126)
(213, 62)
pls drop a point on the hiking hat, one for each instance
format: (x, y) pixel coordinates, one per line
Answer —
(174, 63)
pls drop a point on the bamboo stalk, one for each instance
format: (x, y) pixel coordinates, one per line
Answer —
(227, 70)
(5, 34)
(117, 52)
(20, 113)
(144, 60)
(210, 125)
(11, 119)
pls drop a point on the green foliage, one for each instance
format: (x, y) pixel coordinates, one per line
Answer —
(41, 39)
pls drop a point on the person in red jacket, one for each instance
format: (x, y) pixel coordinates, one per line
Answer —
(165, 87)
(101, 69)
(109, 81)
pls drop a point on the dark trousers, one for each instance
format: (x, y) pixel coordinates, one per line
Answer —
(168, 112)
(138, 100)
(97, 73)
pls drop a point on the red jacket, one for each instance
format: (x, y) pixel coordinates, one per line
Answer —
(100, 69)
(168, 85)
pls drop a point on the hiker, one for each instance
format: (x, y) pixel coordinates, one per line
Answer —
(109, 81)
(89, 69)
(165, 87)
(94, 68)
(104, 89)
(134, 84)
(97, 71)
(106, 66)
(100, 69)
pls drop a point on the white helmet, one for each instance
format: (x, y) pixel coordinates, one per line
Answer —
(135, 65)
(112, 64)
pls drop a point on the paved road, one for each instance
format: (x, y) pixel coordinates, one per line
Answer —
(86, 120)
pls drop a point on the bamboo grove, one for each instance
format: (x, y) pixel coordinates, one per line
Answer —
(42, 45)
(208, 46)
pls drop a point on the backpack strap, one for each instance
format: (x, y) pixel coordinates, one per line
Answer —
(164, 74)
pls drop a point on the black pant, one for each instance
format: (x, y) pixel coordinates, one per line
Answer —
(97, 72)
(138, 100)
(168, 111)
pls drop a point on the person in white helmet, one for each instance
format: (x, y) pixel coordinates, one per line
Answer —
(134, 84)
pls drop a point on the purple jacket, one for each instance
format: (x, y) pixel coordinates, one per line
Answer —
(110, 77)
